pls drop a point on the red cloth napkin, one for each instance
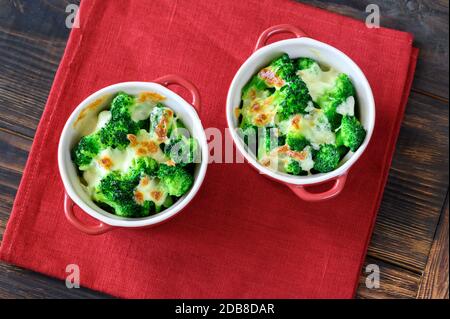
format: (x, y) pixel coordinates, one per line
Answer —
(243, 235)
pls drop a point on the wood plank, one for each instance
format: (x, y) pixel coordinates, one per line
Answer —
(434, 283)
(416, 188)
(32, 41)
(19, 283)
(426, 20)
(395, 282)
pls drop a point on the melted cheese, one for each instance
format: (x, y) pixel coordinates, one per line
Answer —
(347, 107)
(313, 126)
(103, 118)
(150, 188)
(260, 110)
(279, 157)
(147, 145)
(105, 162)
(317, 80)
(142, 110)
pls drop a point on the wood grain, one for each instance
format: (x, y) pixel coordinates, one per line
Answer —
(426, 20)
(32, 41)
(395, 282)
(435, 278)
(416, 188)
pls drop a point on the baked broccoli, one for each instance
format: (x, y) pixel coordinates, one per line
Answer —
(143, 165)
(293, 98)
(327, 158)
(121, 106)
(88, 147)
(304, 63)
(332, 98)
(296, 141)
(351, 133)
(293, 167)
(182, 150)
(175, 179)
(114, 133)
(278, 73)
(116, 190)
(255, 85)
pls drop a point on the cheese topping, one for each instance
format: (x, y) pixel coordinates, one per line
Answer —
(317, 80)
(314, 126)
(150, 189)
(260, 110)
(347, 107)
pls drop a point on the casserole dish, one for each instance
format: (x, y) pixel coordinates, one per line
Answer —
(79, 122)
(302, 46)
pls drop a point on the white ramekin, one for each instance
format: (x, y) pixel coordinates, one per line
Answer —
(302, 46)
(73, 130)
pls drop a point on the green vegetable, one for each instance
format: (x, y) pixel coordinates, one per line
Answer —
(182, 150)
(117, 191)
(331, 99)
(293, 98)
(176, 179)
(327, 158)
(293, 167)
(88, 147)
(304, 63)
(256, 84)
(279, 71)
(114, 133)
(144, 165)
(351, 133)
(296, 141)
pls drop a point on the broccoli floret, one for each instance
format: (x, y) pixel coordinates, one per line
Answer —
(292, 98)
(117, 191)
(88, 147)
(327, 158)
(304, 63)
(121, 106)
(143, 165)
(351, 133)
(296, 141)
(343, 150)
(293, 167)
(114, 133)
(182, 150)
(279, 71)
(343, 89)
(175, 179)
(256, 84)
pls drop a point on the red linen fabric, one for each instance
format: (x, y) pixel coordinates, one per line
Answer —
(243, 235)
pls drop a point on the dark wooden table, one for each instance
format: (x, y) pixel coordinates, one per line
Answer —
(410, 241)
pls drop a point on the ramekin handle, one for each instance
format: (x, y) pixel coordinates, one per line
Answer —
(169, 79)
(281, 28)
(304, 194)
(99, 229)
